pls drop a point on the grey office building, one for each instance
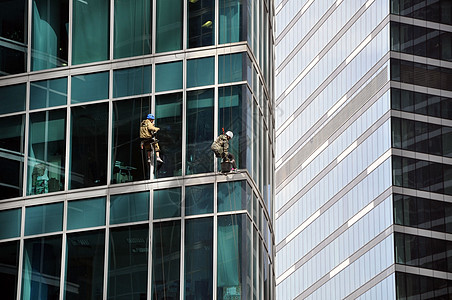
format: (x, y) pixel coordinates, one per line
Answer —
(363, 189)
(82, 213)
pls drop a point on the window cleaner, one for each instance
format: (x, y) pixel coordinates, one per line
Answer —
(220, 147)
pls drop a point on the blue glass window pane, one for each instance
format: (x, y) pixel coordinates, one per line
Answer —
(90, 31)
(169, 25)
(10, 223)
(232, 25)
(12, 144)
(167, 203)
(132, 36)
(48, 93)
(199, 199)
(49, 34)
(84, 265)
(9, 260)
(198, 259)
(200, 112)
(126, 163)
(166, 260)
(168, 113)
(233, 257)
(128, 262)
(231, 68)
(47, 144)
(43, 218)
(86, 213)
(89, 87)
(168, 76)
(200, 72)
(201, 25)
(41, 268)
(132, 81)
(129, 208)
(232, 196)
(12, 98)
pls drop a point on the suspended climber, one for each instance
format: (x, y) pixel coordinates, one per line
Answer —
(148, 140)
(220, 147)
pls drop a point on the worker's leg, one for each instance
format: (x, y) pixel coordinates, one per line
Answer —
(157, 152)
(232, 160)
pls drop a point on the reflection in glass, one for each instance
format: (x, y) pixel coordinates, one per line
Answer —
(13, 61)
(198, 199)
(127, 208)
(168, 76)
(88, 161)
(167, 203)
(232, 21)
(48, 93)
(44, 218)
(89, 87)
(201, 23)
(10, 221)
(128, 262)
(9, 260)
(47, 152)
(49, 38)
(168, 116)
(127, 162)
(198, 259)
(86, 213)
(132, 35)
(235, 114)
(199, 131)
(234, 195)
(169, 25)
(41, 268)
(11, 155)
(12, 98)
(85, 262)
(166, 260)
(200, 71)
(132, 81)
(234, 256)
(90, 31)
(232, 67)
(13, 31)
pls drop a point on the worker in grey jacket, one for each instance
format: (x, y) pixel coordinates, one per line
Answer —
(220, 147)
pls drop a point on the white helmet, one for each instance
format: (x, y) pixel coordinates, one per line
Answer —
(229, 134)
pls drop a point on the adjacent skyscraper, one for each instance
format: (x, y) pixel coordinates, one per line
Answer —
(82, 216)
(363, 92)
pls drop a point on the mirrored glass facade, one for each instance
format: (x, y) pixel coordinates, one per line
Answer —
(83, 213)
(362, 152)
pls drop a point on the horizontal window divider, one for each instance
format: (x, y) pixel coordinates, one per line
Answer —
(89, 102)
(422, 194)
(423, 232)
(9, 240)
(198, 216)
(169, 92)
(200, 88)
(166, 220)
(422, 156)
(423, 272)
(232, 212)
(421, 23)
(132, 97)
(86, 229)
(127, 224)
(48, 234)
(421, 89)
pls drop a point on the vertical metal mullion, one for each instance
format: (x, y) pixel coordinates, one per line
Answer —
(106, 248)
(182, 243)
(184, 116)
(185, 26)
(112, 28)
(21, 254)
(215, 238)
(110, 128)
(26, 141)
(154, 28)
(151, 234)
(217, 22)
(215, 110)
(29, 28)
(69, 52)
(63, 251)
(67, 166)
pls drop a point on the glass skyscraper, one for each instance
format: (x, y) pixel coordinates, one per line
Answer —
(363, 205)
(82, 215)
